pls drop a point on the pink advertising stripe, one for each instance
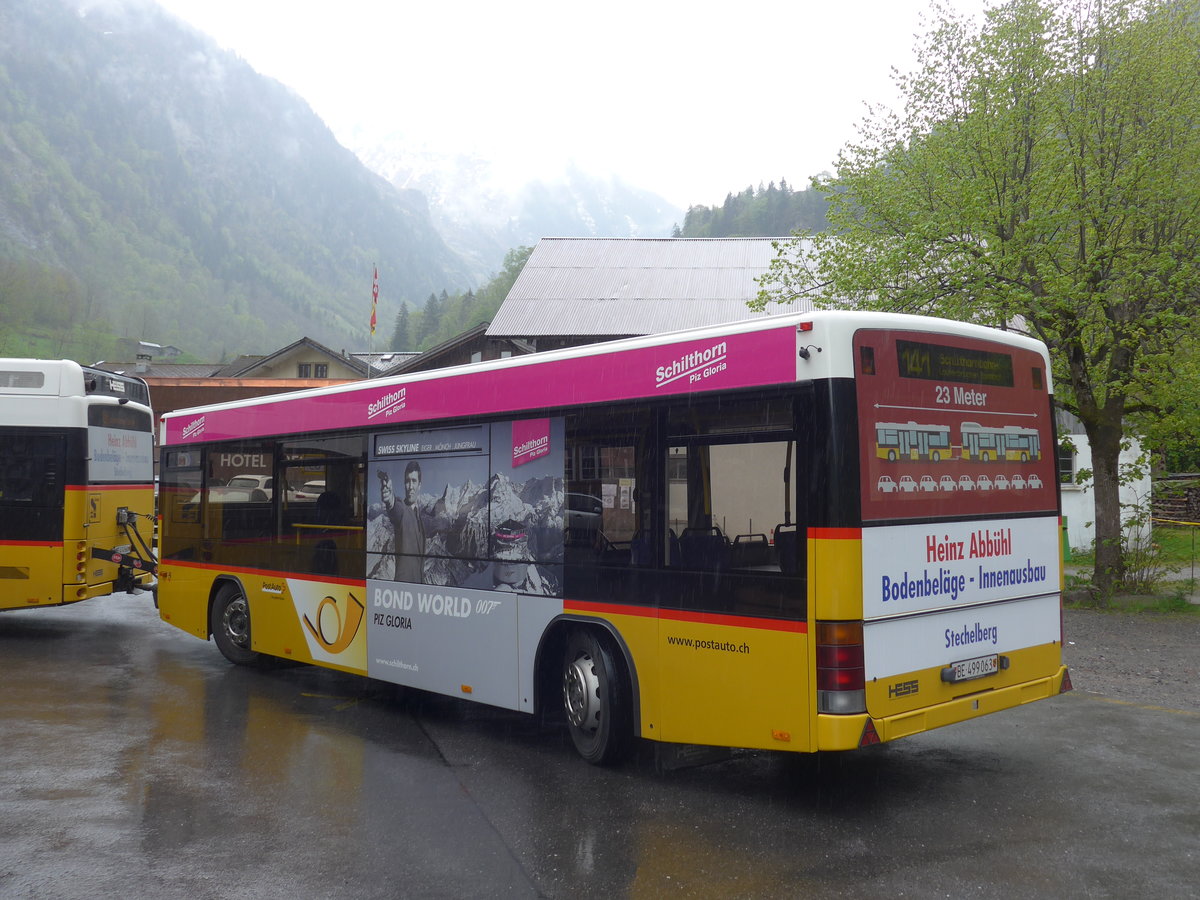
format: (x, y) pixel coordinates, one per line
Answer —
(715, 363)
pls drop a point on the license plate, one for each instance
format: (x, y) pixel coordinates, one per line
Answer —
(967, 669)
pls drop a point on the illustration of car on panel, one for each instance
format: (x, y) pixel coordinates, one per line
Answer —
(907, 484)
(1017, 482)
(1000, 482)
(927, 483)
(966, 483)
(886, 484)
(947, 483)
(984, 483)
(1033, 482)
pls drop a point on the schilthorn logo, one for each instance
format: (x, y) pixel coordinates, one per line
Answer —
(388, 404)
(195, 428)
(694, 366)
(535, 447)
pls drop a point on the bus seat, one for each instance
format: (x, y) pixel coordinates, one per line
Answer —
(787, 545)
(329, 509)
(750, 551)
(641, 551)
(703, 548)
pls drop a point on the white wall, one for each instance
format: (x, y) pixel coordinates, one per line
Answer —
(1078, 501)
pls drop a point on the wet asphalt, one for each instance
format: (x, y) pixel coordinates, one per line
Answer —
(137, 762)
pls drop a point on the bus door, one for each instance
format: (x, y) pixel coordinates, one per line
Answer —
(733, 616)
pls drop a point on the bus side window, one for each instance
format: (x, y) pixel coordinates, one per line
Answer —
(725, 503)
(322, 511)
(609, 491)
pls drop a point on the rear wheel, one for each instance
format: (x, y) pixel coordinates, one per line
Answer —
(596, 699)
(230, 625)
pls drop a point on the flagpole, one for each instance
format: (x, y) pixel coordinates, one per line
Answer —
(374, 304)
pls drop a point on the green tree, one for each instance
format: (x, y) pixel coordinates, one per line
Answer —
(1043, 173)
(401, 336)
(465, 311)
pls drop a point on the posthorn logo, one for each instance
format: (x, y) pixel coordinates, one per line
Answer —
(388, 404)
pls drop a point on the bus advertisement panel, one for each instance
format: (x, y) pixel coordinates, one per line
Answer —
(956, 426)
(464, 544)
(724, 362)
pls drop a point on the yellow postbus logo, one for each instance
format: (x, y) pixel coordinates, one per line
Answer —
(336, 624)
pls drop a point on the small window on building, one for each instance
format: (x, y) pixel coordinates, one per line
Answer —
(477, 356)
(304, 370)
(505, 354)
(320, 370)
(1066, 463)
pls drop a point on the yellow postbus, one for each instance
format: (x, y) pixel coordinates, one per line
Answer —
(689, 538)
(76, 479)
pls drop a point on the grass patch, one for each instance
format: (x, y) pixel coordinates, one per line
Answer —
(1164, 578)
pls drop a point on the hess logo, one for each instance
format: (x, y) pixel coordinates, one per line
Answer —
(336, 623)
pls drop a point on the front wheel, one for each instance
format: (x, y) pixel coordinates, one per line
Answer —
(230, 625)
(596, 698)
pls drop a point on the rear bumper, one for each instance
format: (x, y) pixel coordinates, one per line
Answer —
(845, 732)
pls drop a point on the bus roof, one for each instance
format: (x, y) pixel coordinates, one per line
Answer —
(749, 353)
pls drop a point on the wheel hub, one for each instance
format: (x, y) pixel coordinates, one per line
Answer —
(581, 693)
(236, 621)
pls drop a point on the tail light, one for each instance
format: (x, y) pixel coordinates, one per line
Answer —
(841, 672)
(81, 558)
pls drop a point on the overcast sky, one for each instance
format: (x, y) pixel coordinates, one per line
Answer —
(687, 99)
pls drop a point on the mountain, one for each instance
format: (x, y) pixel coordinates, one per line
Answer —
(153, 185)
(483, 215)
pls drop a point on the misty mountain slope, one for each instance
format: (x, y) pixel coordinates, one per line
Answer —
(189, 199)
(482, 216)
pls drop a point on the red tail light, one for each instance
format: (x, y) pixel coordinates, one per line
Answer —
(841, 672)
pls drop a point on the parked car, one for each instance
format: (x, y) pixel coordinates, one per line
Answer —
(886, 484)
(928, 484)
(311, 490)
(984, 483)
(1017, 482)
(907, 484)
(584, 513)
(1034, 482)
(947, 483)
(966, 483)
(250, 483)
(1001, 483)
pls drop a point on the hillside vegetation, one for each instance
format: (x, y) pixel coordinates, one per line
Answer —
(154, 186)
(773, 211)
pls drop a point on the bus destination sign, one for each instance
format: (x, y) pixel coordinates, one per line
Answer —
(941, 363)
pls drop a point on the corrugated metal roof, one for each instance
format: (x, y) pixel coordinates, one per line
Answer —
(161, 370)
(628, 286)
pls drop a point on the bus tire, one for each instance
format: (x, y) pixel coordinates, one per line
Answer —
(229, 622)
(596, 699)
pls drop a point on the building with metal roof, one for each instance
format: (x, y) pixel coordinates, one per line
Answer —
(582, 290)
